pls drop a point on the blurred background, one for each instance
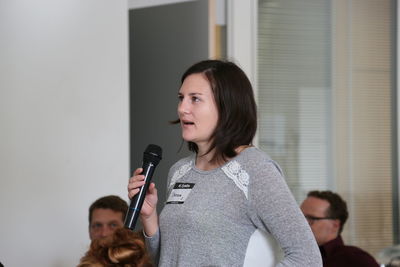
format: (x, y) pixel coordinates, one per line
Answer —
(85, 86)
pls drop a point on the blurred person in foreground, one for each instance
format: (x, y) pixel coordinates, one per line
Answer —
(123, 248)
(326, 212)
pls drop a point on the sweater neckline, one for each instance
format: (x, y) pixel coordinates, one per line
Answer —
(235, 158)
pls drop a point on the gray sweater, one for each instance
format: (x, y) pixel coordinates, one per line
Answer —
(210, 215)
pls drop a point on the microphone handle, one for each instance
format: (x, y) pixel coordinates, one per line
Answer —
(137, 201)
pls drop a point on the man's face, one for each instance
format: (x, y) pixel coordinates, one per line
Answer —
(323, 228)
(104, 223)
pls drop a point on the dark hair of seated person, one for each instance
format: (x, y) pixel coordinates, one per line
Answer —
(123, 248)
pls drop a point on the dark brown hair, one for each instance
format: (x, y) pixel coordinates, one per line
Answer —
(237, 111)
(337, 206)
(114, 203)
(123, 248)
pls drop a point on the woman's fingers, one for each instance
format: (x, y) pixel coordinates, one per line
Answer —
(133, 192)
(152, 189)
(135, 182)
(137, 171)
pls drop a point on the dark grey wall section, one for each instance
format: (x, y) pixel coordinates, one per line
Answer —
(164, 41)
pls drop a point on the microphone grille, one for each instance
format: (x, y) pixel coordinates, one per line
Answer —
(154, 149)
(153, 153)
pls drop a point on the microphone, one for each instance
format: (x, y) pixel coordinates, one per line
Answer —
(151, 157)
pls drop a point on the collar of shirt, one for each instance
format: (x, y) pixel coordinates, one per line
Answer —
(328, 248)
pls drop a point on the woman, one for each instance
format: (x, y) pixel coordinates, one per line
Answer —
(225, 191)
(123, 248)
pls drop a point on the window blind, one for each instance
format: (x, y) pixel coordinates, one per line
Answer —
(325, 114)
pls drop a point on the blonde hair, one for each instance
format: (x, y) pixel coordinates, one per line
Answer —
(123, 248)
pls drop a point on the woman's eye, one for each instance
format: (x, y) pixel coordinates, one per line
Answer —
(180, 98)
(195, 99)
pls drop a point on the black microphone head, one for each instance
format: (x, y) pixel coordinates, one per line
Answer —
(152, 154)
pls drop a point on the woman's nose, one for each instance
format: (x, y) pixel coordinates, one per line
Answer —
(183, 107)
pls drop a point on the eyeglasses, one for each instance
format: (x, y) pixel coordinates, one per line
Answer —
(311, 219)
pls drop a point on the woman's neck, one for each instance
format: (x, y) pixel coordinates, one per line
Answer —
(204, 161)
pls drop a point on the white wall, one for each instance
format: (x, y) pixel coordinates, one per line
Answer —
(132, 4)
(64, 128)
(242, 19)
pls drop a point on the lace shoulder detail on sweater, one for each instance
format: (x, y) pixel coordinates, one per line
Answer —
(179, 173)
(239, 176)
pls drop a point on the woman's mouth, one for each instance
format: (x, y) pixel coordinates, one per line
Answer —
(186, 123)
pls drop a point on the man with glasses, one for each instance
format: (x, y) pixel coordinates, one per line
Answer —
(326, 212)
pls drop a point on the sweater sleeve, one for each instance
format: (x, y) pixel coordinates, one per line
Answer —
(153, 245)
(273, 208)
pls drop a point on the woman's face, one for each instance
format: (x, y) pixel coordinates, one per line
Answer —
(197, 110)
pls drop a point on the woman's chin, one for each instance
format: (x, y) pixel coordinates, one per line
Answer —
(187, 139)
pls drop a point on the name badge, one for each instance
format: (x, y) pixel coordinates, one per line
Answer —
(179, 193)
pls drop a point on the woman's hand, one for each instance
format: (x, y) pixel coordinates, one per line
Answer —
(148, 213)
